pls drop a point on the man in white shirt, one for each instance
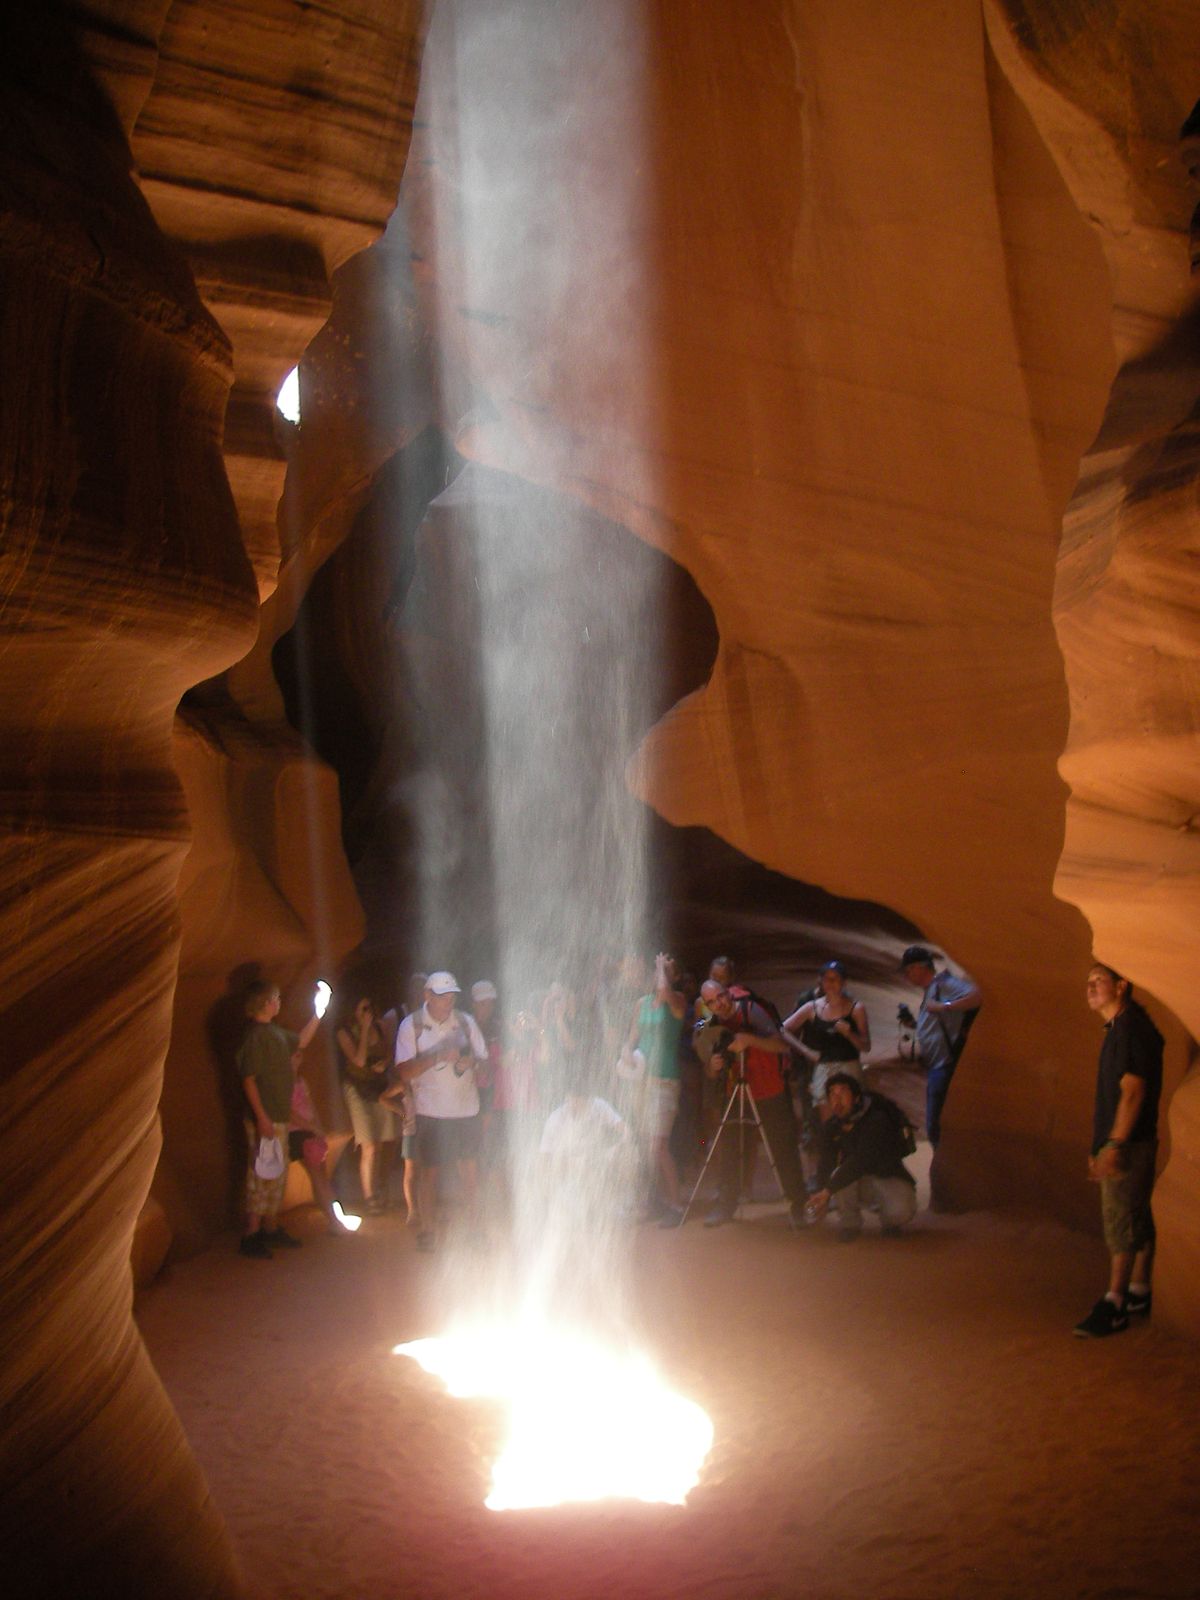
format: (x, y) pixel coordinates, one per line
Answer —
(437, 1050)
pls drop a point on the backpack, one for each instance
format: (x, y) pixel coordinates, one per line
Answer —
(906, 1134)
(739, 992)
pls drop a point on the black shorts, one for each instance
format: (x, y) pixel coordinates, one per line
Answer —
(442, 1139)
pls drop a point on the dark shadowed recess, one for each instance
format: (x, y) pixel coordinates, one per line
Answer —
(382, 674)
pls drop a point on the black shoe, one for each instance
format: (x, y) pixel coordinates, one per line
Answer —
(255, 1246)
(672, 1217)
(849, 1235)
(1104, 1318)
(717, 1216)
(891, 1230)
(1138, 1305)
(279, 1240)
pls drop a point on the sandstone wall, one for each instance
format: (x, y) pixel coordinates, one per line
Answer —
(124, 580)
(1110, 103)
(270, 145)
(809, 303)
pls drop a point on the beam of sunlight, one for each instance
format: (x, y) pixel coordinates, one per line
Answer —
(530, 652)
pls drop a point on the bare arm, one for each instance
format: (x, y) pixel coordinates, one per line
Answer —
(663, 990)
(856, 1028)
(305, 1036)
(798, 1018)
(965, 1002)
(773, 1043)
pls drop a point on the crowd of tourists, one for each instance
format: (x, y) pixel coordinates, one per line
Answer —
(686, 1078)
(660, 1081)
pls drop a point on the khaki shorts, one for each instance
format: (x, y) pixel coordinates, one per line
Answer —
(662, 1103)
(1125, 1202)
(824, 1070)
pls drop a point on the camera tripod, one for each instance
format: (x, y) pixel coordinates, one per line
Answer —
(741, 1113)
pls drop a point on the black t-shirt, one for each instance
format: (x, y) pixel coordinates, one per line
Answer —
(1132, 1045)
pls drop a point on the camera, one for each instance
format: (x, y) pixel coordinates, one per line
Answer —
(711, 1038)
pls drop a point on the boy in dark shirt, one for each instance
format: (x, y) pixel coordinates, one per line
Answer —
(1124, 1147)
(264, 1061)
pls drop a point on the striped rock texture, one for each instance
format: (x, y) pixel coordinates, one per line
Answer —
(844, 306)
(269, 150)
(837, 301)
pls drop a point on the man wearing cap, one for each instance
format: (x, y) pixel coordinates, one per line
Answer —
(437, 1050)
(948, 1008)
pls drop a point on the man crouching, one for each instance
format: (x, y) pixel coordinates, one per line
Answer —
(863, 1145)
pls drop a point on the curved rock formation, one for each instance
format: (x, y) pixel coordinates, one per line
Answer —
(806, 297)
(1125, 600)
(126, 580)
(849, 390)
(270, 146)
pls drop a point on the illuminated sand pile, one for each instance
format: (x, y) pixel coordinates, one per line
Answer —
(585, 1422)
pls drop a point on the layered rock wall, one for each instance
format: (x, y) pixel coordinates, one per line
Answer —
(124, 580)
(829, 328)
(269, 145)
(1110, 103)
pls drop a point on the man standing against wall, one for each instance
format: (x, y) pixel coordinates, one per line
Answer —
(948, 1008)
(1124, 1146)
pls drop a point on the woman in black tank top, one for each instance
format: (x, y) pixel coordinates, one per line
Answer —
(833, 1030)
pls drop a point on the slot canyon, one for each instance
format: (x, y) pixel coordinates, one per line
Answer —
(866, 333)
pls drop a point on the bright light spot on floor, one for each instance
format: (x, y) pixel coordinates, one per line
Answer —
(348, 1220)
(288, 398)
(585, 1423)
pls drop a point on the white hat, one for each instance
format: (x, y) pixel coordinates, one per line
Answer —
(269, 1163)
(483, 990)
(442, 983)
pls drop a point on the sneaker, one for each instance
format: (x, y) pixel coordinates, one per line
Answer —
(672, 1217)
(717, 1216)
(1104, 1318)
(279, 1240)
(255, 1246)
(426, 1241)
(1138, 1305)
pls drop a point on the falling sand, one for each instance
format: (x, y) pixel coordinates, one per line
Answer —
(906, 1419)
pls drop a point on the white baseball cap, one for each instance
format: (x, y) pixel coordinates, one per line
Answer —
(442, 983)
(484, 990)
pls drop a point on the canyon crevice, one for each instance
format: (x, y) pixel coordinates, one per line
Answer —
(877, 320)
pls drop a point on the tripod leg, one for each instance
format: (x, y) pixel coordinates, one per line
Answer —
(762, 1132)
(712, 1150)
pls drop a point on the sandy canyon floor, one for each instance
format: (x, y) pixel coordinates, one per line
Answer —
(904, 1419)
